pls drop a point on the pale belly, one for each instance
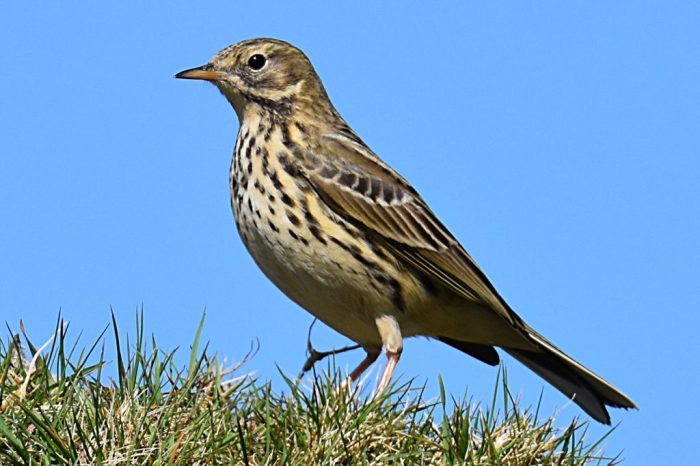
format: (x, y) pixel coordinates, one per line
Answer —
(343, 299)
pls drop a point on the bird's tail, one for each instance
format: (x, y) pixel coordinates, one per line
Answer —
(587, 389)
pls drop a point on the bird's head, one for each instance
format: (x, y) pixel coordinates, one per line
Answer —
(269, 73)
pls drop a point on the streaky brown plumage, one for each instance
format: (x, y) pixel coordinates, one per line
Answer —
(351, 241)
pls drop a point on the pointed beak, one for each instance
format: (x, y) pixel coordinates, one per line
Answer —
(205, 73)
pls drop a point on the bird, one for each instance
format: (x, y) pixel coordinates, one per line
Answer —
(351, 241)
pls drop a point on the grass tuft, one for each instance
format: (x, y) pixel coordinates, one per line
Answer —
(57, 408)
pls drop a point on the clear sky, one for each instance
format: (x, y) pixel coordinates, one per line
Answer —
(558, 141)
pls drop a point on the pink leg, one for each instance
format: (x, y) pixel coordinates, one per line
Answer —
(392, 361)
(369, 359)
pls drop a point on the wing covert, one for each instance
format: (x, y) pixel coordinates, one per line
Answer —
(362, 189)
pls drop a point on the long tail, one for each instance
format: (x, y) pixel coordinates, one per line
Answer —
(587, 389)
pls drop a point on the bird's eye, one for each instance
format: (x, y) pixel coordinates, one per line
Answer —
(257, 61)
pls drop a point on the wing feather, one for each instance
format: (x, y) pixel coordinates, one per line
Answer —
(362, 189)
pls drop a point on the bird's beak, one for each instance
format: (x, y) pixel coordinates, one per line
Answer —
(205, 73)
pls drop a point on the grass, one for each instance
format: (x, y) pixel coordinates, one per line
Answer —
(57, 408)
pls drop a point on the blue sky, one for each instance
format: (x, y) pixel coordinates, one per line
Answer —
(559, 142)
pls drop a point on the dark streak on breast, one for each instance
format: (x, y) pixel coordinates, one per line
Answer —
(287, 200)
(286, 141)
(317, 233)
(293, 219)
(249, 149)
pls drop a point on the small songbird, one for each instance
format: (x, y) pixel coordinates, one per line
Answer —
(351, 241)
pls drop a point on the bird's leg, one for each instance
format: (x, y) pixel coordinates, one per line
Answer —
(393, 346)
(392, 361)
(315, 356)
(372, 356)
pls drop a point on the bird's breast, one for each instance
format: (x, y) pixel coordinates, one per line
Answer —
(323, 263)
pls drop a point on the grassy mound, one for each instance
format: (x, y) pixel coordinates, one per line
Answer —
(56, 408)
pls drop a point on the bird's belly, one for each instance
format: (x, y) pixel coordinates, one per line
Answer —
(317, 274)
(343, 301)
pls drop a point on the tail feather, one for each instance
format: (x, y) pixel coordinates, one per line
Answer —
(587, 389)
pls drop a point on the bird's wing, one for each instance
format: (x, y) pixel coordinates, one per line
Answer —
(362, 189)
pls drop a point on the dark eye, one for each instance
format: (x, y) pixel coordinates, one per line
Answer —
(257, 61)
